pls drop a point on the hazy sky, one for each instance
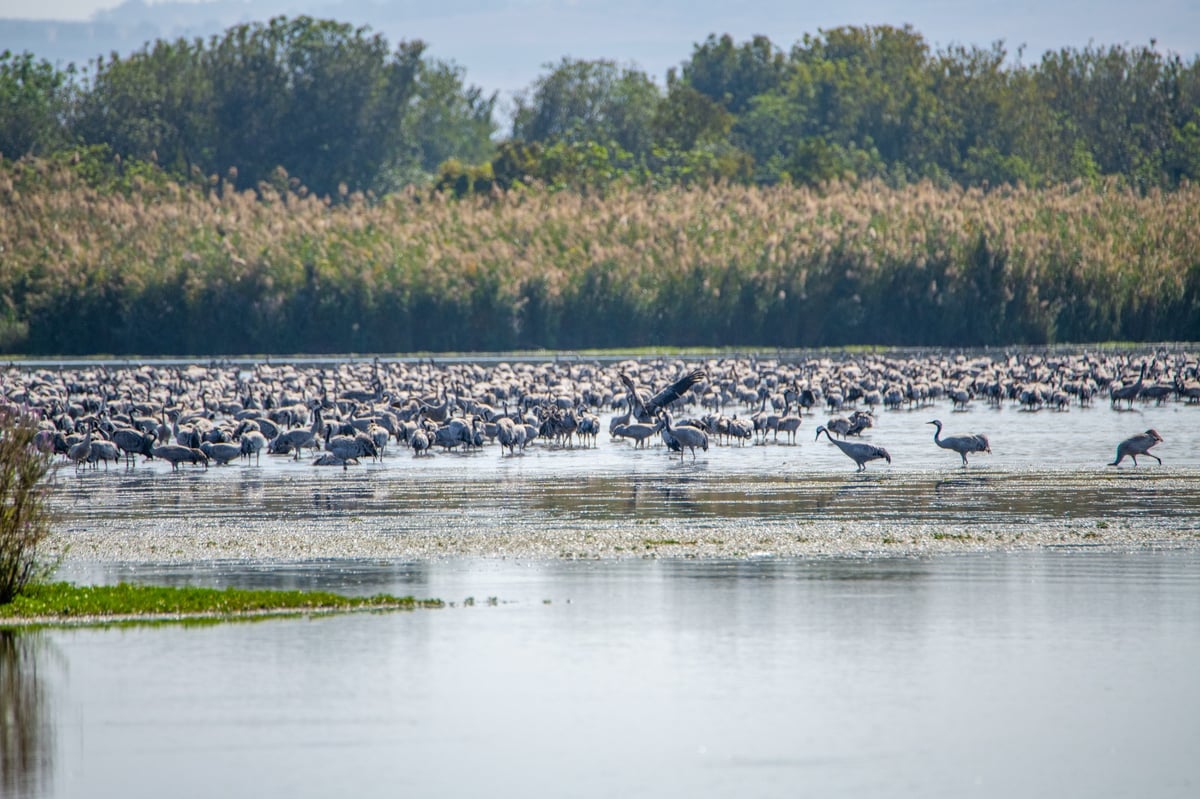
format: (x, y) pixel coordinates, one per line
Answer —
(1107, 21)
(504, 44)
(55, 9)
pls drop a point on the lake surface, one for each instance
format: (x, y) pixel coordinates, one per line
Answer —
(1051, 673)
(759, 621)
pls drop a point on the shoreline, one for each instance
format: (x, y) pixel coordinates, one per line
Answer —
(705, 541)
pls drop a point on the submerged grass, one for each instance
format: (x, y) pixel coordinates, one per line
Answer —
(50, 602)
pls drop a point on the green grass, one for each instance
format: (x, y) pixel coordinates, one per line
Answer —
(952, 537)
(66, 602)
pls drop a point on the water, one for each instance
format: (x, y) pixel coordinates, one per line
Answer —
(1044, 672)
(1023, 674)
(1046, 468)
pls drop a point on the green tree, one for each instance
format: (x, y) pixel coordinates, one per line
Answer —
(870, 87)
(155, 105)
(35, 102)
(1127, 108)
(449, 120)
(994, 129)
(322, 99)
(733, 75)
(589, 101)
(686, 118)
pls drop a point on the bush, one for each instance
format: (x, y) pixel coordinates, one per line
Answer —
(24, 515)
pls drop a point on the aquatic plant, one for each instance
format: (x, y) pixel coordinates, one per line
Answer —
(64, 601)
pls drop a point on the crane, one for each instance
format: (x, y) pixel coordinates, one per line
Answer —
(684, 435)
(645, 408)
(860, 453)
(960, 444)
(1130, 392)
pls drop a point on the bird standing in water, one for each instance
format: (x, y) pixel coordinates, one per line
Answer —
(859, 453)
(960, 444)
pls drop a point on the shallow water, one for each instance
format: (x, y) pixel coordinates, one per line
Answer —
(1051, 673)
(1045, 468)
(1059, 670)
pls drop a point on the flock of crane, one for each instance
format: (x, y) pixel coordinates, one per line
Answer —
(348, 411)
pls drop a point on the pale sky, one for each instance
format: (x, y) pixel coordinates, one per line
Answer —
(54, 9)
(1175, 22)
(505, 44)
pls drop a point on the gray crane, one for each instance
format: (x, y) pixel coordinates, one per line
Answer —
(176, 454)
(1128, 393)
(300, 438)
(133, 442)
(221, 451)
(80, 452)
(645, 408)
(638, 432)
(418, 439)
(860, 453)
(1138, 445)
(960, 444)
(510, 434)
(103, 450)
(351, 447)
(787, 423)
(684, 435)
(252, 442)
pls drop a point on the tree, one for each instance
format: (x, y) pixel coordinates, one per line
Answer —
(322, 99)
(35, 100)
(328, 103)
(24, 515)
(155, 105)
(871, 88)
(734, 75)
(687, 118)
(448, 120)
(579, 102)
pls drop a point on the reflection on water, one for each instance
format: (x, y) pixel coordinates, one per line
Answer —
(26, 715)
(1051, 673)
(386, 498)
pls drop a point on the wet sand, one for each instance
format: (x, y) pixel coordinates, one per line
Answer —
(383, 513)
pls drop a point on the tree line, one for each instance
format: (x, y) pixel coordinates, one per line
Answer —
(316, 101)
(337, 110)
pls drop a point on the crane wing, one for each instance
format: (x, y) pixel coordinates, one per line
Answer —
(635, 398)
(674, 391)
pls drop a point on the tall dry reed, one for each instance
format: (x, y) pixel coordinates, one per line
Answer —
(184, 270)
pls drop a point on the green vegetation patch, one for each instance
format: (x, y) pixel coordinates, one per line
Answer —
(67, 602)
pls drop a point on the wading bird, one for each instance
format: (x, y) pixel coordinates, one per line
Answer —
(859, 453)
(1128, 393)
(960, 444)
(646, 408)
(684, 435)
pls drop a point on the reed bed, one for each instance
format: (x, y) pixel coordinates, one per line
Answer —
(184, 270)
